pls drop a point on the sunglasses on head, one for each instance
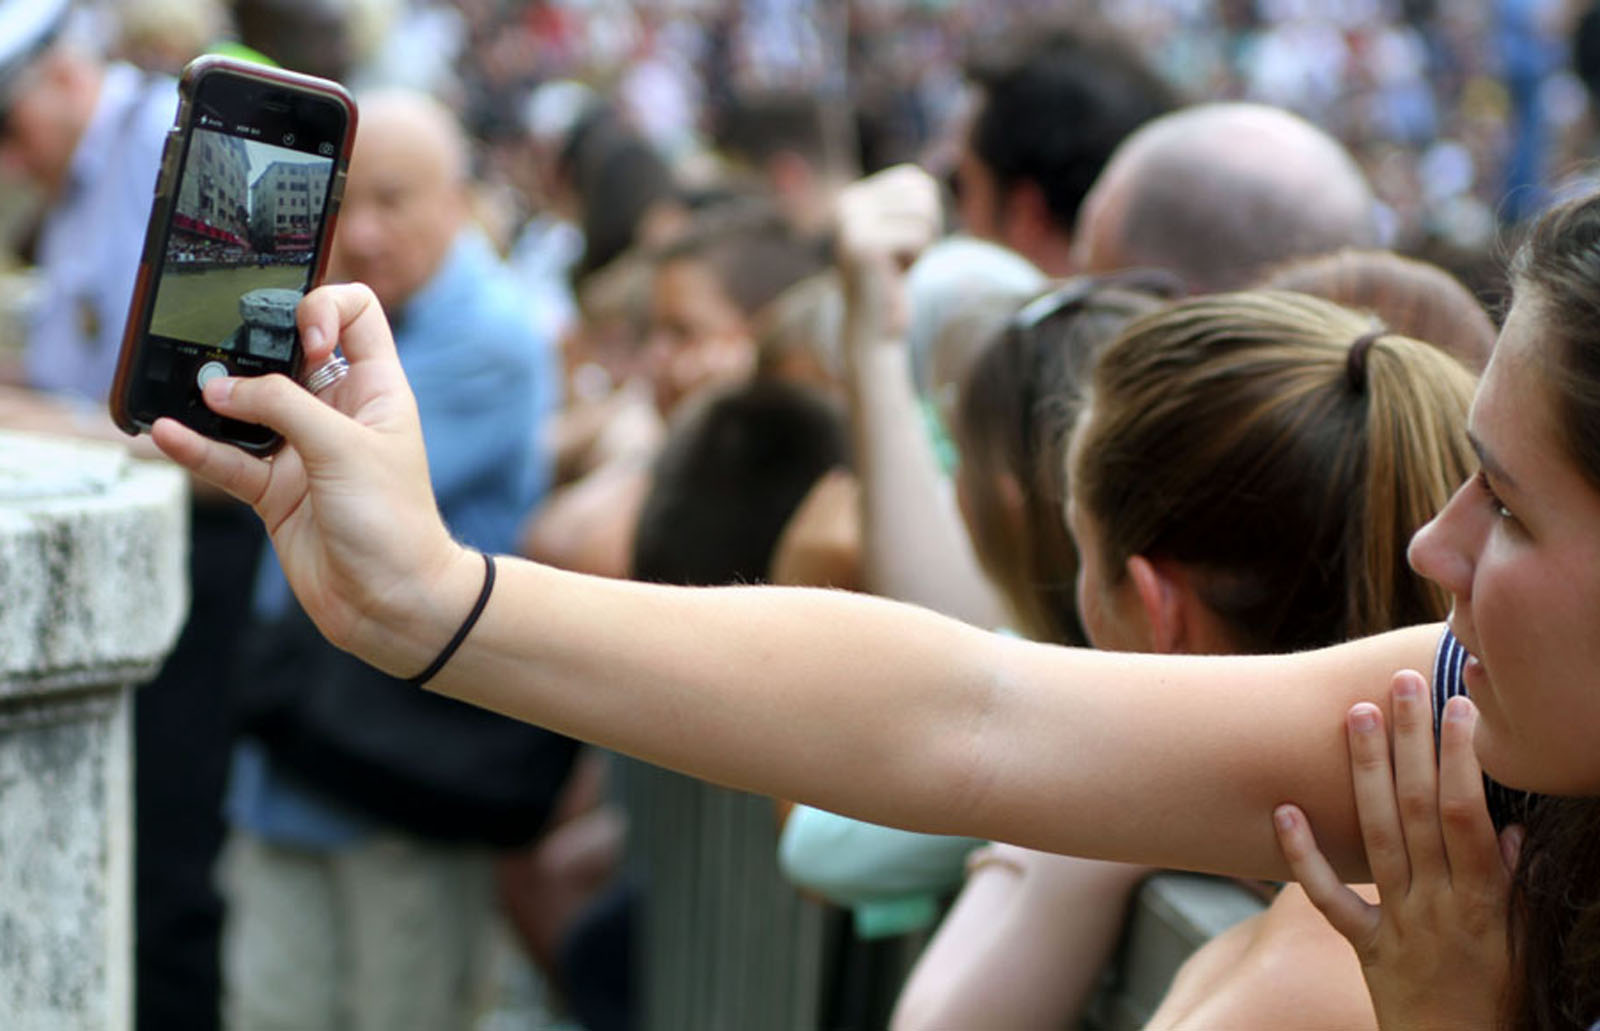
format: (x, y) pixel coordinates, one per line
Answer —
(1069, 299)
(1077, 292)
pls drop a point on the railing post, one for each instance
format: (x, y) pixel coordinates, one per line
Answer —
(93, 592)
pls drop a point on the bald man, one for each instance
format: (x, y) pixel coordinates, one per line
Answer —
(351, 903)
(1218, 193)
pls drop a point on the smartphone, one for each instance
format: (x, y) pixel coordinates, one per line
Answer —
(244, 207)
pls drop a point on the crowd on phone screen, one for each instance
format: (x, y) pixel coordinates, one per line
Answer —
(660, 326)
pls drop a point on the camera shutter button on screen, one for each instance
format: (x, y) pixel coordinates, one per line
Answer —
(208, 372)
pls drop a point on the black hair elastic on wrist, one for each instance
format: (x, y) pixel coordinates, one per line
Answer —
(466, 627)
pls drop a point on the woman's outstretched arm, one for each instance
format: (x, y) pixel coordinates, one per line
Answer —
(868, 707)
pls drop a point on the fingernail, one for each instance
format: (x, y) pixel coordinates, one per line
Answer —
(314, 338)
(1511, 845)
(1283, 817)
(1405, 688)
(1364, 718)
(1458, 710)
(220, 389)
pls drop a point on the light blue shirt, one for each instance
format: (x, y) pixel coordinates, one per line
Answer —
(91, 238)
(892, 879)
(485, 383)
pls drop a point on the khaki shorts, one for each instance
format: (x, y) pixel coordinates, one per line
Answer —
(387, 935)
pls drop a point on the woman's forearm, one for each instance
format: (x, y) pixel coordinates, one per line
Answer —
(862, 706)
(914, 545)
(899, 716)
(755, 687)
(1023, 946)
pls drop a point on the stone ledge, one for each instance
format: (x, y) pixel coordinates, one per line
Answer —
(93, 564)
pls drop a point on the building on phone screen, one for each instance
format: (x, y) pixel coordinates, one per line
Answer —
(213, 197)
(285, 205)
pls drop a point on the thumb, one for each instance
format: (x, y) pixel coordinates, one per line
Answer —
(347, 315)
(281, 405)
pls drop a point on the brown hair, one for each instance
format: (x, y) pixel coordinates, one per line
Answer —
(1284, 449)
(1019, 401)
(1556, 919)
(1413, 298)
(800, 332)
(754, 255)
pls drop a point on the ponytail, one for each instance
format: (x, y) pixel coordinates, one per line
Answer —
(1283, 449)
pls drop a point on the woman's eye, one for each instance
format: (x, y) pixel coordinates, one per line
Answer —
(1495, 504)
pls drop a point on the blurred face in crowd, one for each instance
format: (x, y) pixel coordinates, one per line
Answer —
(43, 115)
(1010, 214)
(312, 36)
(405, 199)
(978, 196)
(698, 336)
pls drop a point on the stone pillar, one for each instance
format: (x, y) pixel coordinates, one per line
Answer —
(268, 330)
(93, 592)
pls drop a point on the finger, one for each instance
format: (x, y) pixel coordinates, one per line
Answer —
(1373, 781)
(346, 315)
(315, 342)
(1511, 846)
(1416, 775)
(1349, 913)
(1469, 838)
(242, 475)
(282, 405)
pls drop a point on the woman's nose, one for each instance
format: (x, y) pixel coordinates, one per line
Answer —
(1442, 549)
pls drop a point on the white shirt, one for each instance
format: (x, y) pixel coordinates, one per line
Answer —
(91, 238)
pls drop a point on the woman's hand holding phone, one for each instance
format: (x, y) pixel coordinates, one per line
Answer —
(347, 501)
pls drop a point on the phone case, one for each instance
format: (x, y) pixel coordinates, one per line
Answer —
(136, 343)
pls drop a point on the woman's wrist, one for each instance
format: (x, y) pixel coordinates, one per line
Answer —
(460, 636)
(414, 624)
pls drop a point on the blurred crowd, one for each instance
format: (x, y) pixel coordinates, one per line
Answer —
(1463, 114)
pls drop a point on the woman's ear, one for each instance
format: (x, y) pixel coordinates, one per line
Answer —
(1013, 504)
(1161, 599)
(1177, 617)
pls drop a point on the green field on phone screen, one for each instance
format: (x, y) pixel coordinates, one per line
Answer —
(203, 306)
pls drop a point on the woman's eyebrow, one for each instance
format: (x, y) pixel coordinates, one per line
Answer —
(1491, 464)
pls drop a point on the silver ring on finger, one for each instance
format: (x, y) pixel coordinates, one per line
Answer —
(327, 374)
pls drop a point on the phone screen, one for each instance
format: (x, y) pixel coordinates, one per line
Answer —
(241, 245)
(239, 250)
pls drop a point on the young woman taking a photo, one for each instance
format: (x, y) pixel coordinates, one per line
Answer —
(896, 715)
